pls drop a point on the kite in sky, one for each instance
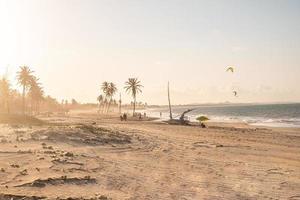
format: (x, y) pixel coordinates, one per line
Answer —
(230, 69)
(235, 93)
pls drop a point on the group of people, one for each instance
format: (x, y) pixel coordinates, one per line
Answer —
(139, 115)
(123, 117)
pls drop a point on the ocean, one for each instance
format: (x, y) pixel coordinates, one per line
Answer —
(273, 115)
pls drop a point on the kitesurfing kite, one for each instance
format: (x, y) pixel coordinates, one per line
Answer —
(235, 93)
(230, 69)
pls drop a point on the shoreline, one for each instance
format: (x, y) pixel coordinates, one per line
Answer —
(272, 123)
(269, 115)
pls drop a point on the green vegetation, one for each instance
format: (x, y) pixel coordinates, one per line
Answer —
(133, 86)
(109, 90)
(31, 100)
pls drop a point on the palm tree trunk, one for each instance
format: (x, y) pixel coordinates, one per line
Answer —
(31, 107)
(108, 105)
(36, 107)
(134, 100)
(104, 104)
(23, 100)
(7, 106)
(120, 105)
(99, 107)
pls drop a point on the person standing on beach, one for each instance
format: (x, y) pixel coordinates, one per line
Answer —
(160, 114)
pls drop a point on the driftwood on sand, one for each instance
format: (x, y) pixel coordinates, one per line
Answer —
(182, 120)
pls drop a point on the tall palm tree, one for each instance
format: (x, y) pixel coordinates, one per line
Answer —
(105, 87)
(112, 89)
(105, 90)
(120, 104)
(24, 79)
(5, 93)
(100, 100)
(36, 93)
(109, 89)
(133, 86)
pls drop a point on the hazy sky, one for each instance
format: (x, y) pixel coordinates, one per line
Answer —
(75, 45)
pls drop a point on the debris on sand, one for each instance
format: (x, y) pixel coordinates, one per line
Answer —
(297, 197)
(49, 152)
(102, 197)
(50, 147)
(83, 135)
(207, 145)
(69, 154)
(60, 181)
(19, 197)
(47, 147)
(15, 166)
(64, 161)
(105, 136)
(24, 172)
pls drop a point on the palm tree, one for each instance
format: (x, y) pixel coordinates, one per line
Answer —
(133, 86)
(105, 102)
(112, 89)
(109, 90)
(5, 93)
(24, 78)
(36, 93)
(105, 90)
(100, 100)
(120, 104)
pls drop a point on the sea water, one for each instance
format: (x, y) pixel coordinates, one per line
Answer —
(275, 115)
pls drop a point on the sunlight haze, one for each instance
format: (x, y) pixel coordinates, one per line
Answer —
(75, 45)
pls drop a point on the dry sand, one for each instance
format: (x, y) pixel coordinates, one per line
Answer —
(90, 157)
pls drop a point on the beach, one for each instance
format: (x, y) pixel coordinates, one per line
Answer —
(149, 100)
(87, 156)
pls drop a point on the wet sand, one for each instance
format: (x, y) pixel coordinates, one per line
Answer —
(85, 156)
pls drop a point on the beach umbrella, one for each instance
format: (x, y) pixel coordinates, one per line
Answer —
(230, 69)
(202, 118)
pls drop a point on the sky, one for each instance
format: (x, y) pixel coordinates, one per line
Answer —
(75, 45)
